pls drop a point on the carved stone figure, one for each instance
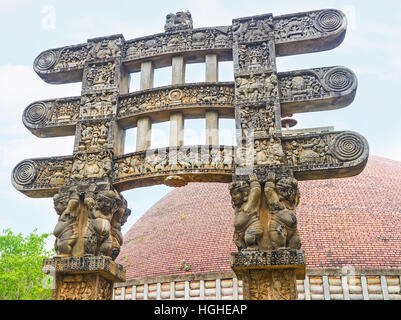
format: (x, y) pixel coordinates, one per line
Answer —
(90, 220)
(178, 21)
(66, 204)
(246, 202)
(105, 48)
(282, 197)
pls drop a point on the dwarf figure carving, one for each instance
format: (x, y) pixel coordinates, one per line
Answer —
(101, 204)
(66, 204)
(282, 197)
(245, 198)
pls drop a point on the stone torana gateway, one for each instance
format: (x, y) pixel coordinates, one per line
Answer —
(263, 168)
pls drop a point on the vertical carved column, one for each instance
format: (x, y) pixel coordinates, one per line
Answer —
(91, 210)
(176, 129)
(178, 70)
(212, 127)
(264, 192)
(177, 118)
(144, 125)
(143, 133)
(212, 116)
(212, 68)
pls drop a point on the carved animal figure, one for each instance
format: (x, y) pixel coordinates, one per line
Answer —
(179, 20)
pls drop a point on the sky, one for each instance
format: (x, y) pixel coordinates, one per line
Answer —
(371, 49)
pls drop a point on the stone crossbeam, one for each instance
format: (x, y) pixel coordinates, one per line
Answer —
(301, 91)
(311, 155)
(293, 34)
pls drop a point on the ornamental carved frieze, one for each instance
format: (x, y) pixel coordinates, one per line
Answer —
(66, 58)
(169, 160)
(169, 98)
(98, 105)
(256, 88)
(77, 287)
(255, 58)
(316, 84)
(94, 136)
(270, 285)
(253, 29)
(100, 76)
(92, 165)
(257, 121)
(74, 57)
(330, 149)
(51, 113)
(308, 25)
(105, 48)
(187, 40)
(42, 173)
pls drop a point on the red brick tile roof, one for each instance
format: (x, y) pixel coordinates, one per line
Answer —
(343, 222)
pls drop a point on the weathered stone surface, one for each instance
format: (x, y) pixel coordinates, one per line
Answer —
(293, 34)
(269, 275)
(310, 155)
(264, 166)
(85, 278)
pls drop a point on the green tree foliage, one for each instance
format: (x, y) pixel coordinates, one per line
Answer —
(20, 266)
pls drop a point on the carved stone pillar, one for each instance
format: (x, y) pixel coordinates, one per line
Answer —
(143, 134)
(212, 68)
(212, 127)
(147, 75)
(176, 129)
(91, 211)
(269, 275)
(178, 70)
(85, 278)
(264, 191)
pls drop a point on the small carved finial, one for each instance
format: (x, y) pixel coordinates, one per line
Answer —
(181, 20)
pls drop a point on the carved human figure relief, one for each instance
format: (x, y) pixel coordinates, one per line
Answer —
(282, 197)
(245, 198)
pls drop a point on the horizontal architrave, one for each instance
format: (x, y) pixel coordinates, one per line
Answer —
(41, 177)
(192, 99)
(337, 146)
(135, 169)
(317, 38)
(320, 156)
(307, 90)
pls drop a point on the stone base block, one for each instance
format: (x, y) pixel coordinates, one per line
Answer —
(83, 278)
(269, 275)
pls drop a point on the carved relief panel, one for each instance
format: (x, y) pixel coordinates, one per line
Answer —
(253, 29)
(100, 76)
(254, 58)
(162, 99)
(98, 105)
(51, 113)
(92, 165)
(182, 40)
(94, 136)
